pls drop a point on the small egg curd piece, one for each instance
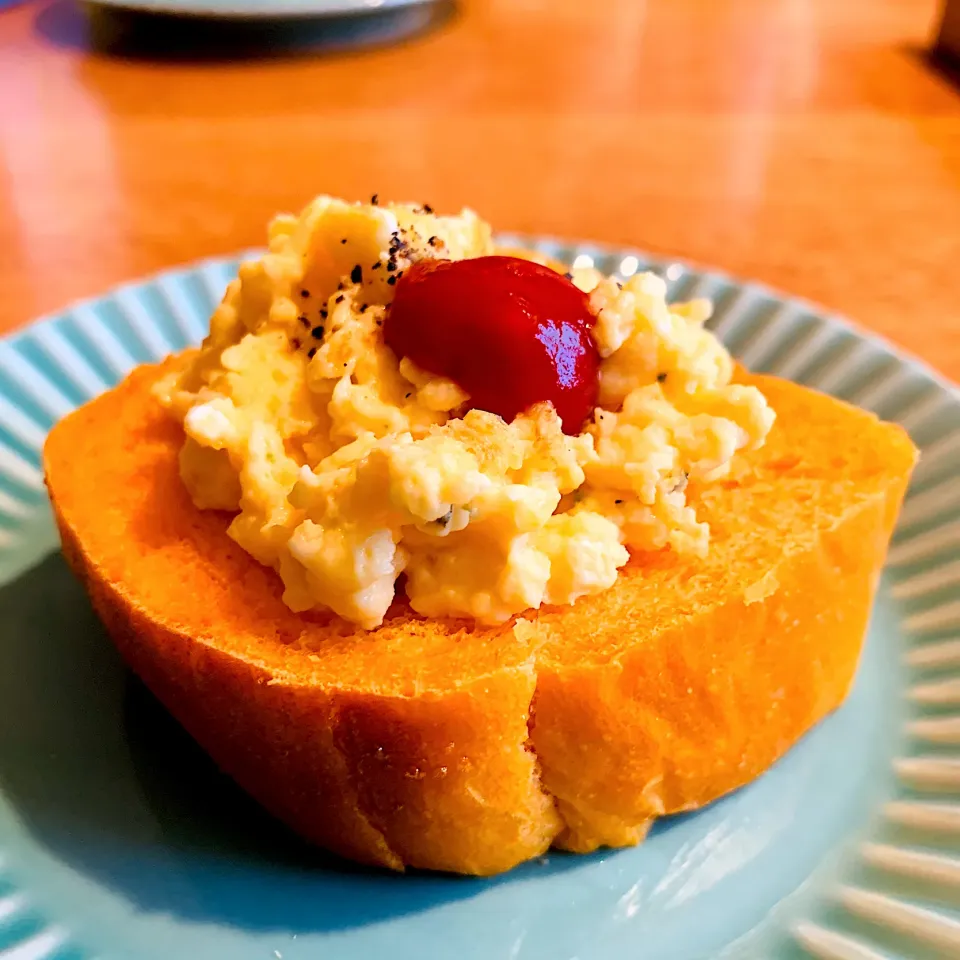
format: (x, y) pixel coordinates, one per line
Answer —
(346, 466)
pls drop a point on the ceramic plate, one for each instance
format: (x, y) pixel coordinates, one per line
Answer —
(245, 9)
(120, 841)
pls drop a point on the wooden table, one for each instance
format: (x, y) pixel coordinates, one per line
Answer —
(806, 143)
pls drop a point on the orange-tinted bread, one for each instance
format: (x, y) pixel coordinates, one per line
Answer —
(446, 745)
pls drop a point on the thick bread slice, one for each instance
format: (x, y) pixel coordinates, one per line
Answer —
(444, 745)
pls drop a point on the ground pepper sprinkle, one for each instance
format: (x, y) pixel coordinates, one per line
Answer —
(317, 333)
(356, 274)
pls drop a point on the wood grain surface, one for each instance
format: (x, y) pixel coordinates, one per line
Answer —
(805, 143)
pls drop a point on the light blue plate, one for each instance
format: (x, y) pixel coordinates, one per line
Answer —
(247, 9)
(119, 841)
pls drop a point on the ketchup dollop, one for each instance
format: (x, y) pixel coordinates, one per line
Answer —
(508, 331)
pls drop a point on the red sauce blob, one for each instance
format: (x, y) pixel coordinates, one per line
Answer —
(508, 331)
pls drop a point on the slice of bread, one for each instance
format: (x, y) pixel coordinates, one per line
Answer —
(446, 745)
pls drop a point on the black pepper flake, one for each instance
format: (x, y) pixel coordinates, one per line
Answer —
(433, 241)
(364, 307)
(376, 266)
(407, 396)
(618, 502)
(427, 208)
(339, 298)
(379, 323)
(323, 313)
(311, 353)
(568, 275)
(391, 266)
(375, 199)
(304, 320)
(305, 294)
(295, 343)
(344, 240)
(661, 377)
(356, 274)
(392, 279)
(317, 333)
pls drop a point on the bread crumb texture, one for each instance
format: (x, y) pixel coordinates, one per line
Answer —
(453, 746)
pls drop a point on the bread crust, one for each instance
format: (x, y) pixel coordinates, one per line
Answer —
(442, 745)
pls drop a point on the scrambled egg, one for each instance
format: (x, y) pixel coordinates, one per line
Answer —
(347, 466)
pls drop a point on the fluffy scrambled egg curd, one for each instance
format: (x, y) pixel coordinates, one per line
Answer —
(347, 466)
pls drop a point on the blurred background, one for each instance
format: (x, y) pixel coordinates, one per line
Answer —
(810, 144)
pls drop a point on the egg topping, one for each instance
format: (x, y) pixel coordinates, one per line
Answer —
(346, 465)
